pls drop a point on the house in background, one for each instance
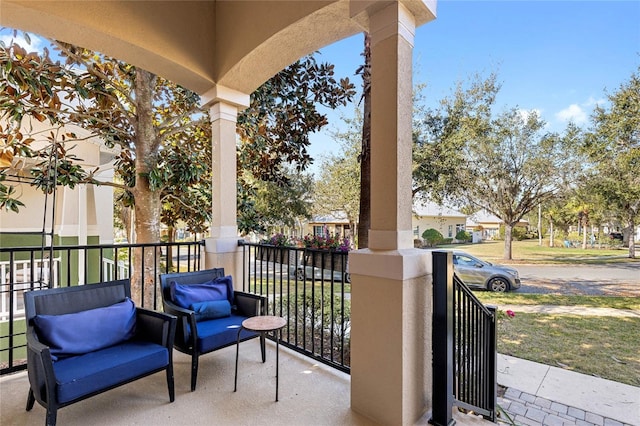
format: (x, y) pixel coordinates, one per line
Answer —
(428, 215)
(334, 223)
(488, 225)
(83, 215)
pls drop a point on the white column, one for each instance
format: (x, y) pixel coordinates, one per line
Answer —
(221, 249)
(391, 281)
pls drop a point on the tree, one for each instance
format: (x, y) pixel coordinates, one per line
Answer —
(613, 146)
(284, 206)
(125, 106)
(337, 188)
(441, 134)
(141, 113)
(364, 217)
(515, 167)
(505, 164)
(274, 130)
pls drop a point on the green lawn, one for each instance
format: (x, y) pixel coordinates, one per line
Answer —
(606, 347)
(489, 298)
(528, 251)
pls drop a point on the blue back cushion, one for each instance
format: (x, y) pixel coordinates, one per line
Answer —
(185, 295)
(211, 309)
(87, 331)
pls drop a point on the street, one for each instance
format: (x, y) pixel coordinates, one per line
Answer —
(621, 279)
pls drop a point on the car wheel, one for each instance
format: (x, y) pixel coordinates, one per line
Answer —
(300, 275)
(347, 277)
(499, 285)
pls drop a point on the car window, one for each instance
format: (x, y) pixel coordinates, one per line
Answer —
(465, 260)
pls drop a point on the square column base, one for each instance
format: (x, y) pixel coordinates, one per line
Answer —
(391, 354)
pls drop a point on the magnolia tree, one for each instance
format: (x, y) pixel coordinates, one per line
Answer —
(160, 129)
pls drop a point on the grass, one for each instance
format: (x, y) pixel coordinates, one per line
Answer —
(605, 347)
(615, 302)
(528, 251)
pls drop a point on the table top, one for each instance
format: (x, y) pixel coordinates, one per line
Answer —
(264, 323)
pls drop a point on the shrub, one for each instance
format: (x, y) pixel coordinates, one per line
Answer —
(432, 237)
(463, 236)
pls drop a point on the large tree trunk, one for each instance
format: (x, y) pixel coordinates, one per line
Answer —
(364, 222)
(508, 228)
(147, 202)
(632, 234)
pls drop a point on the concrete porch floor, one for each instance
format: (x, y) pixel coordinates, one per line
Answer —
(310, 394)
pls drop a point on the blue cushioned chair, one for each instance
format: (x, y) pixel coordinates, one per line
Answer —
(122, 343)
(200, 337)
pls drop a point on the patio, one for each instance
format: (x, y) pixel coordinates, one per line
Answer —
(310, 393)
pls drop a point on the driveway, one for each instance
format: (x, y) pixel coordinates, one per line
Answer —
(597, 280)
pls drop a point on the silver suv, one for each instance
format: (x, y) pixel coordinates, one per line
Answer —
(482, 274)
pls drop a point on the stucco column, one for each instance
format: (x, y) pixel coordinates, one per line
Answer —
(391, 281)
(221, 249)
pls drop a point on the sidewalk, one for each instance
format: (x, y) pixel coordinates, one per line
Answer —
(539, 394)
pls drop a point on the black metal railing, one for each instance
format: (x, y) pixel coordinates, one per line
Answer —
(32, 268)
(464, 347)
(311, 290)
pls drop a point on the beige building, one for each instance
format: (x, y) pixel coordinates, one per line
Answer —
(427, 215)
(488, 225)
(83, 215)
(336, 223)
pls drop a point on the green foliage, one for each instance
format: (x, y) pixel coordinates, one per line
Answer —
(323, 321)
(463, 236)
(432, 237)
(274, 139)
(613, 149)
(337, 186)
(517, 233)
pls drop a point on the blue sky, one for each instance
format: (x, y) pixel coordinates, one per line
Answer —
(556, 57)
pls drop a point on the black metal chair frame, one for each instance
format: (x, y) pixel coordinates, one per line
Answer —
(150, 326)
(246, 304)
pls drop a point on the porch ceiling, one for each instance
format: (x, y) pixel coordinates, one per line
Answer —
(200, 44)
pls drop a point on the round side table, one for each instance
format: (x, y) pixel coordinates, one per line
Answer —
(262, 324)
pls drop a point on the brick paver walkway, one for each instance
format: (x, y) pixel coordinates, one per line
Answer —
(531, 410)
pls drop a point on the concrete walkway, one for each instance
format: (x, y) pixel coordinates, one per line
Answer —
(538, 394)
(573, 310)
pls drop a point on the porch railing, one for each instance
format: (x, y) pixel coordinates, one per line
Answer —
(464, 347)
(311, 289)
(30, 268)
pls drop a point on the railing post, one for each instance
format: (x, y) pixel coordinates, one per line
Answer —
(442, 339)
(493, 364)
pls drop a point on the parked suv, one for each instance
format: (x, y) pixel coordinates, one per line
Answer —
(485, 275)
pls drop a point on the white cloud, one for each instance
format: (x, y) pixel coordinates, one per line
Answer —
(573, 113)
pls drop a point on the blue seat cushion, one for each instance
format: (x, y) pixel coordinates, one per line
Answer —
(94, 371)
(213, 334)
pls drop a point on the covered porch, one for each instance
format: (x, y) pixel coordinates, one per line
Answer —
(310, 393)
(224, 50)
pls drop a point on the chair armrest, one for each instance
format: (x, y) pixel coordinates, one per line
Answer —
(42, 378)
(157, 327)
(185, 337)
(249, 304)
